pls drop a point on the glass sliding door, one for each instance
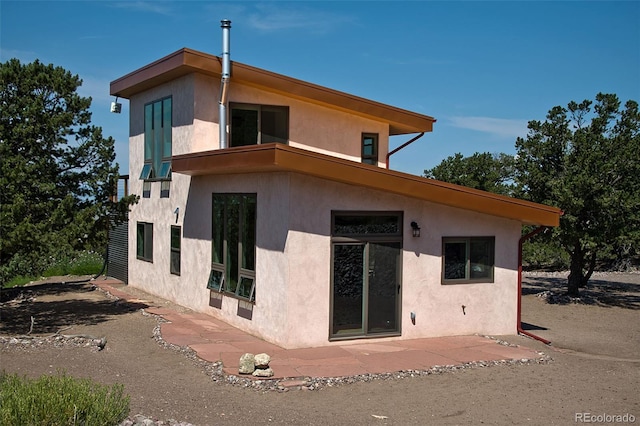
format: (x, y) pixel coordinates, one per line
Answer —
(348, 288)
(383, 287)
(365, 274)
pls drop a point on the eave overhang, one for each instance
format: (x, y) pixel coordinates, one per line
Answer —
(283, 158)
(187, 61)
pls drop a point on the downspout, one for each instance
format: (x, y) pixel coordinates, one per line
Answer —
(519, 315)
(226, 65)
(402, 146)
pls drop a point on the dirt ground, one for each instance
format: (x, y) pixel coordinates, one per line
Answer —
(595, 366)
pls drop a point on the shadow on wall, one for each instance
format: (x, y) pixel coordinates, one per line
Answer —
(198, 215)
(285, 204)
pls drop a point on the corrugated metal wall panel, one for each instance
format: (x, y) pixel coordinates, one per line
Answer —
(118, 261)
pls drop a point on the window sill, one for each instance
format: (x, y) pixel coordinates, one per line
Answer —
(338, 338)
(455, 282)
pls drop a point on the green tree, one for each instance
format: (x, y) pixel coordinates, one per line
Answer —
(57, 171)
(584, 159)
(485, 171)
(496, 173)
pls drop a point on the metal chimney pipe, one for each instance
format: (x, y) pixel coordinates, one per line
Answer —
(226, 74)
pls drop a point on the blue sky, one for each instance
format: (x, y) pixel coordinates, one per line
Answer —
(482, 69)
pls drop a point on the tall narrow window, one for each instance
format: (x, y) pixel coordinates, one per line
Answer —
(468, 260)
(233, 245)
(157, 140)
(370, 148)
(144, 241)
(174, 262)
(257, 124)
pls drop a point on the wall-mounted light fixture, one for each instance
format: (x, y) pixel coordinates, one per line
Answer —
(177, 213)
(116, 106)
(415, 229)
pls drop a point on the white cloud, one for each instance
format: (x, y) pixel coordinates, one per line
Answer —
(160, 8)
(276, 18)
(502, 127)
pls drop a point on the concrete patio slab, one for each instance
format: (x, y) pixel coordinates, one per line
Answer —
(216, 341)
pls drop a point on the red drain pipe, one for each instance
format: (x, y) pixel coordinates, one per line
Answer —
(519, 324)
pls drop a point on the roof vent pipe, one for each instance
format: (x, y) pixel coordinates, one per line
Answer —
(226, 66)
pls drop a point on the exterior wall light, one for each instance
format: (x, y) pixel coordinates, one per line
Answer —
(116, 106)
(415, 229)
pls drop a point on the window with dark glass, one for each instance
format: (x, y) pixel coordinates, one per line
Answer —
(233, 245)
(146, 189)
(346, 224)
(174, 262)
(258, 124)
(370, 148)
(468, 260)
(157, 140)
(144, 241)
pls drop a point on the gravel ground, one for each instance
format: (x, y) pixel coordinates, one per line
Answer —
(591, 369)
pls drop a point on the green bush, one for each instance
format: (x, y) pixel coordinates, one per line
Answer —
(17, 281)
(81, 263)
(60, 400)
(541, 254)
(20, 270)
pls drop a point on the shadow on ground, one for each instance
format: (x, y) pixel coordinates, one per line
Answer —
(530, 327)
(606, 293)
(52, 311)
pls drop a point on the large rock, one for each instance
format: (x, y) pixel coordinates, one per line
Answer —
(262, 361)
(247, 364)
(263, 372)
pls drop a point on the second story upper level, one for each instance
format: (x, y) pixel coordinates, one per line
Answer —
(174, 108)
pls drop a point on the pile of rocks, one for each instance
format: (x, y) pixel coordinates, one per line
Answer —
(140, 420)
(256, 365)
(559, 298)
(28, 342)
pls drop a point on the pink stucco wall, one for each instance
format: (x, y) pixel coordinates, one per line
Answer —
(293, 263)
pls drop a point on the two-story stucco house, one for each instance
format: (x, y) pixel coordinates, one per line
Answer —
(265, 202)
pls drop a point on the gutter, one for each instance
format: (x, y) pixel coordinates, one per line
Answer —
(402, 146)
(519, 315)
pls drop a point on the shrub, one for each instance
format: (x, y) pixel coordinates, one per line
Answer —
(60, 400)
(540, 254)
(17, 281)
(21, 270)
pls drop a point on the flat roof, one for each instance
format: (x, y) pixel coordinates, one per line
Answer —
(280, 157)
(186, 61)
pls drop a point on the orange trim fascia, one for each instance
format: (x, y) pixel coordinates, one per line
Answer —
(278, 157)
(186, 61)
